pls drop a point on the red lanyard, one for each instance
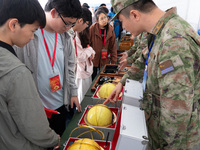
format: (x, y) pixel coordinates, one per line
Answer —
(47, 49)
(75, 46)
(104, 41)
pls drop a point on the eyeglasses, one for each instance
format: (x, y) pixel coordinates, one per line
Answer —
(103, 18)
(67, 24)
(87, 24)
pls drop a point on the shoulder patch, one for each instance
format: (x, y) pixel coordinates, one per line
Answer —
(166, 67)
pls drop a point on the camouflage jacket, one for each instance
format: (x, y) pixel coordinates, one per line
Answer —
(140, 43)
(133, 48)
(173, 84)
(137, 59)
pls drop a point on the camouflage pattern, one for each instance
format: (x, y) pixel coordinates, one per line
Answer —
(173, 118)
(119, 5)
(133, 48)
(138, 59)
(171, 100)
(140, 43)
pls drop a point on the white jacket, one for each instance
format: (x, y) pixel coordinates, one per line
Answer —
(84, 65)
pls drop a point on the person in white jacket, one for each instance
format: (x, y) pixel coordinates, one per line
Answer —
(84, 53)
(84, 68)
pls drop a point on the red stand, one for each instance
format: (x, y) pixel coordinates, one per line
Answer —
(117, 131)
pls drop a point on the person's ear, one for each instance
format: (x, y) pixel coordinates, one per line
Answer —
(54, 13)
(135, 14)
(13, 23)
(80, 20)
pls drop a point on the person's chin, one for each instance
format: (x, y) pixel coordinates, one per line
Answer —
(22, 44)
(105, 24)
(63, 31)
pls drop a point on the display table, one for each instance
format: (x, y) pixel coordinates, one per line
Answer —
(77, 116)
(74, 122)
(89, 93)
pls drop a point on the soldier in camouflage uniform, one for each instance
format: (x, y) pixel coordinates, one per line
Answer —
(129, 57)
(171, 98)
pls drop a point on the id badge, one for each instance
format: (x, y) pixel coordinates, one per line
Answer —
(55, 83)
(144, 78)
(104, 54)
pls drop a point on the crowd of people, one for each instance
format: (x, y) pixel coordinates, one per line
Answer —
(49, 57)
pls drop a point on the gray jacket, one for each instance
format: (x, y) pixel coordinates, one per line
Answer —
(29, 56)
(23, 123)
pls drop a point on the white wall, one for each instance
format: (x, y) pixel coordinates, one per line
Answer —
(187, 9)
(43, 2)
(193, 16)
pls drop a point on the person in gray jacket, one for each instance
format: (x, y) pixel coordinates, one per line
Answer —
(50, 58)
(23, 123)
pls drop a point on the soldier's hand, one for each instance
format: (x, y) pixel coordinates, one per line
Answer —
(124, 56)
(74, 100)
(123, 64)
(114, 94)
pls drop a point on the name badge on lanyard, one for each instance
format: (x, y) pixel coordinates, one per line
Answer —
(55, 83)
(104, 52)
(54, 79)
(146, 66)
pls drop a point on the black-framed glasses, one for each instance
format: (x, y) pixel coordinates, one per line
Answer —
(88, 24)
(66, 24)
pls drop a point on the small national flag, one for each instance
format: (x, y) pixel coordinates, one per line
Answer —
(49, 112)
(166, 67)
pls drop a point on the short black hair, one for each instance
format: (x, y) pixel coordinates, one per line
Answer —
(26, 11)
(86, 15)
(85, 5)
(104, 9)
(103, 4)
(144, 6)
(84, 37)
(111, 9)
(67, 8)
(98, 12)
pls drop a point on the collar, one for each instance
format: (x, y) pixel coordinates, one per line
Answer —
(170, 13)
(72, 33)
(108, 31)
(8, 47)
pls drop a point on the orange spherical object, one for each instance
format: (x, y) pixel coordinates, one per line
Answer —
(99, 115)
(84, 144)
(105, 90)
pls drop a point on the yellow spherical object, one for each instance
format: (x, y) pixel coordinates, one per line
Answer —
(105, 90)
(99, 115)
(84, 144)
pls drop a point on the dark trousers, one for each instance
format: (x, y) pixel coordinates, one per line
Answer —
(70, 114)
(95, 72)
(57, 122)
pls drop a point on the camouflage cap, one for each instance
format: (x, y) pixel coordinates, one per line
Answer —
(119, 5)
